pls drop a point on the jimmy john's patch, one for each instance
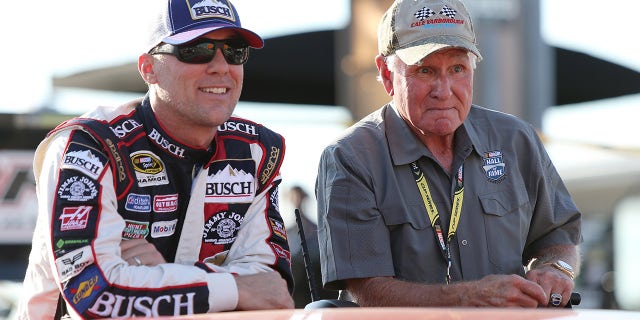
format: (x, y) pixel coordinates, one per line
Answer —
(78, 188)
(222, 227)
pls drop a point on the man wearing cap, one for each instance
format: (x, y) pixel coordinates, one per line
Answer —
(167, 205)
(434, 201)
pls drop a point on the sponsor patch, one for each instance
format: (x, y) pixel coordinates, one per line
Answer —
(493, 165)
(165, 144)
(231, 181)
(72, 263)
(161, 229)
(275, 199)
(122, 174)
(74, 218)
(270, 167)
(222, 227)
(78, 188)
(278, 228)
(232, 126)
(130, 303)
(202, 9)
(64, 243)
(125, 127)
(138, 202)
(84, 159)
(84, 288)
(135, 229)
(150, 170)
(165, 203)
(281, 252)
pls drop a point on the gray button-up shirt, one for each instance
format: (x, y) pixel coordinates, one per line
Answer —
(373, 222)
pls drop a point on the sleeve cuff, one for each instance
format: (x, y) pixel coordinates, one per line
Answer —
(223, 292)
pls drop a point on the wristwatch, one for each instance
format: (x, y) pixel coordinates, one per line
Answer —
(558, 264)
(565, 268)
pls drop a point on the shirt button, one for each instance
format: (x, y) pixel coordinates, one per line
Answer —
(464, 242)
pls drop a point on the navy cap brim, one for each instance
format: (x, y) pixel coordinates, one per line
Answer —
(254, 40)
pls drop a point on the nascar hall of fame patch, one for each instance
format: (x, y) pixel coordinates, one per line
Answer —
(231, 181)
(493, 165)
(222, 227)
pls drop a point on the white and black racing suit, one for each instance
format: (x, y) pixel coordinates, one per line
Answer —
(114, 174)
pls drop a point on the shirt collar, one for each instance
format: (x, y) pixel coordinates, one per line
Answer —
(405, 147)
(156, 133)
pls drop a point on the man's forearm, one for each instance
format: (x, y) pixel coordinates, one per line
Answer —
(390, 292)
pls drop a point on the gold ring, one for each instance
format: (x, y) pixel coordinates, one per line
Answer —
(138, 262)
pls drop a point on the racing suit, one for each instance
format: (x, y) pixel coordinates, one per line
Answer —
(114, 174)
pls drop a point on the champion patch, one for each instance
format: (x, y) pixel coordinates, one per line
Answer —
(494, 166)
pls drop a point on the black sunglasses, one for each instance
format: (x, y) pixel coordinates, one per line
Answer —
(235, 51)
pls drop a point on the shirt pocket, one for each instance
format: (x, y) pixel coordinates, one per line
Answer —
(413, 216)
(506, 217)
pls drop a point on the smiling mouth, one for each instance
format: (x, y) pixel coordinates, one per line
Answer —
(214, 90)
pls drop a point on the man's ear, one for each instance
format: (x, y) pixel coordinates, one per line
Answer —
(386, 76)
(145, 68)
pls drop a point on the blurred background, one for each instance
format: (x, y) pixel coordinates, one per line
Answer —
(570, 67)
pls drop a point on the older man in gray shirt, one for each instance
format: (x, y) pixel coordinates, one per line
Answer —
(433, 201)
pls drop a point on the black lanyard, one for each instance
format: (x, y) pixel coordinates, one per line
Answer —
(434, 216)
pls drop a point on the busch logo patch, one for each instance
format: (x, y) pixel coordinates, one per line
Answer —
(494, 166)
(231, 181)
(202, 9)
(129, 303)
(84, 159)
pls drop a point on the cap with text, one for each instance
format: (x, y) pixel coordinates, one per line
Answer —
(180, 21)
(413, 29)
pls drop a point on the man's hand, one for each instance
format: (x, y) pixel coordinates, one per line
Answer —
(263, 291)
(505, 291)
(552, 281)
(139, 252)
(490, 291)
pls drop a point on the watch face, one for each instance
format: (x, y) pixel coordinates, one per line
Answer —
(564, 265)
